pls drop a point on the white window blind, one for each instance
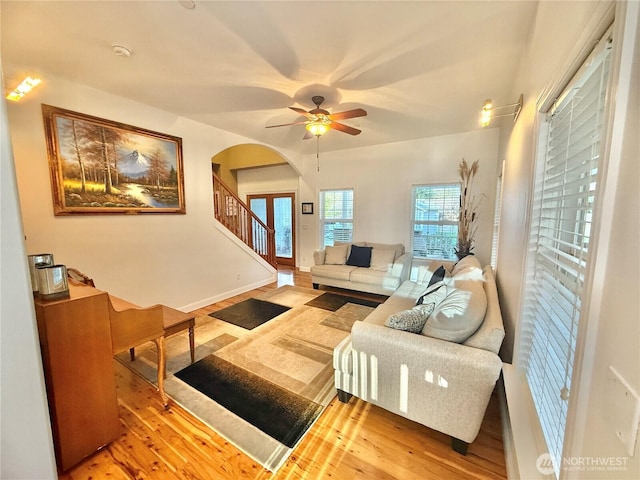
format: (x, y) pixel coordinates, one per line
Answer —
(558, 255)
(435, 221)
(336, 216)
(496, 222)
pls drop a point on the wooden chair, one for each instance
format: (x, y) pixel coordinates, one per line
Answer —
(132, 325)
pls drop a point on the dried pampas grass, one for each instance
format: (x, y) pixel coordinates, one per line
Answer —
(468, 209)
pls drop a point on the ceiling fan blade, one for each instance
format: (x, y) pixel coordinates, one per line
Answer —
(357, 112)
(345, 128)
(287, 124)
(301, 111)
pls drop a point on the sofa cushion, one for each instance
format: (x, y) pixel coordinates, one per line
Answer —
(337, 272)
(459, 314)
(464, 263)
(359, 256)
(369, 276)
(398, 248)
(382, 259)
(336, 255)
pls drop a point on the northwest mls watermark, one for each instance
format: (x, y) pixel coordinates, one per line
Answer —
(546, 464)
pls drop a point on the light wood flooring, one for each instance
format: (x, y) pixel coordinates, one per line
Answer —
(349, 441)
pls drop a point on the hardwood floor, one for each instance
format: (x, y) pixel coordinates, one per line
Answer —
(349, 441)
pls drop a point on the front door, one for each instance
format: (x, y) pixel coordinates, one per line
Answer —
(277, 210)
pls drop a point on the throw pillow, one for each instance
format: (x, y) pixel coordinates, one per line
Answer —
(336, 255)
(459, 314)
(359, 256)
(435, 294)
(382, 259)
(438, 275)
(407, 320)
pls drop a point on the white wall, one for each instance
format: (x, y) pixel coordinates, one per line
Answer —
(275, 179)
(26, 445)
(382, 177)
(183, 261)
(561, 32)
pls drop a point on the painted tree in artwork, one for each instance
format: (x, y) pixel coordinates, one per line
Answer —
(158, 173)
(75, 135)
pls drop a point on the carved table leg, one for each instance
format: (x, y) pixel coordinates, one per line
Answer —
(162, 367)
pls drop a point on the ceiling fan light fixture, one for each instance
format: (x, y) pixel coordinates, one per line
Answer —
(318, 128)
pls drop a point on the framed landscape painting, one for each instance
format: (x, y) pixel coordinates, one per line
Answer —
(98, 166)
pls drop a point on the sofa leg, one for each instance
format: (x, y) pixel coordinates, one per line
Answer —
(315, 286)
(459, 446)
(343, 396)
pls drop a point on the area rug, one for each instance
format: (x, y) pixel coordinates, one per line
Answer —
(250, 313)
(261, 389)
(333, 301)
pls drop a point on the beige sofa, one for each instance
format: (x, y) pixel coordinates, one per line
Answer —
(389, 267)
(443, 384)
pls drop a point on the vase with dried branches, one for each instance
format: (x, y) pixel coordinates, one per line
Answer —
(468, 210)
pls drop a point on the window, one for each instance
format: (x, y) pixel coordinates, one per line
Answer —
(435, 221)
(566, 186)
(336, 216)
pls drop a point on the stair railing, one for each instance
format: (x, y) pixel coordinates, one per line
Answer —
(236, 216)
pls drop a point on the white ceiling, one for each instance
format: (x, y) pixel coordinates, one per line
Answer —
(419, 68)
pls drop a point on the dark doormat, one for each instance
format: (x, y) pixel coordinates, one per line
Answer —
(279, 413)
(333, 301)
(250, 313)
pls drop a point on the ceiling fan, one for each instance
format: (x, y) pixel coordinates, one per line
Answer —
(320, 121)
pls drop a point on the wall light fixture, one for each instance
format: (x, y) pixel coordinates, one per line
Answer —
(487, 112)
(25, 87)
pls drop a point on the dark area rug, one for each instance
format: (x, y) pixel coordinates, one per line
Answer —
(281, 414)
(333, 301)
(250, 313)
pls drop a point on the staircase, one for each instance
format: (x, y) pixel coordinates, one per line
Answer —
(235, 215)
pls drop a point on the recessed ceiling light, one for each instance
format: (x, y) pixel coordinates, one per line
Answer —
(121, 51)
(188, 4)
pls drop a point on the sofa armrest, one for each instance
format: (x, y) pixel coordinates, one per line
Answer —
(443, 385)
(318, 257)
(402, 266)
(459, 364)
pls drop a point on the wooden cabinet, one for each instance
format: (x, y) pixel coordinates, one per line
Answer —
(75, 340)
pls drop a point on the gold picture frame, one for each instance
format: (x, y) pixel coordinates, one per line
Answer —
(99, 166)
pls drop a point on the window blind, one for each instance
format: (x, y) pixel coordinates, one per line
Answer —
(558, 255)
(496, 222)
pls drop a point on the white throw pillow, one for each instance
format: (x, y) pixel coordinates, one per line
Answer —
(336, 255)
(459, 314)
(382, 259)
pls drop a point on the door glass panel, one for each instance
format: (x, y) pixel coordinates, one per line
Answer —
(259, 207)
(282, 223)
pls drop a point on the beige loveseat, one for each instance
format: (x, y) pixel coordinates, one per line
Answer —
(388, 267)
(443, 384)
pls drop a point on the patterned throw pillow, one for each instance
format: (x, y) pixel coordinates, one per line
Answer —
(408, 320)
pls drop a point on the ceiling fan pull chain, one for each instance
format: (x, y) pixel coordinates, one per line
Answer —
(318, 152)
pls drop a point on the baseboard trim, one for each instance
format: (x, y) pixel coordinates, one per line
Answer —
(223, 296)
